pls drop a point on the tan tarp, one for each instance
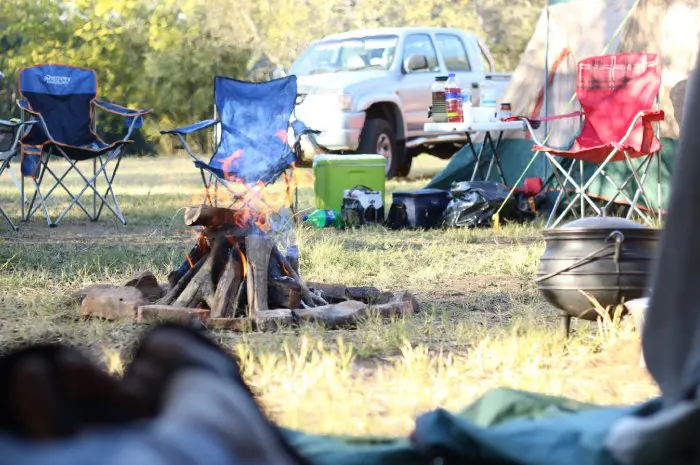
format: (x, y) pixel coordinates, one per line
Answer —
(583, 28)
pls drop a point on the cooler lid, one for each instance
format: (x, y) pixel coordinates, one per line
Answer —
(351, 159)
(422, 193)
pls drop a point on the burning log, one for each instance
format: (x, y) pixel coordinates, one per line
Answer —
(228, 287)
(283, 292)
(177, 288)
(258, 249)
(309, 299)
(208, 216)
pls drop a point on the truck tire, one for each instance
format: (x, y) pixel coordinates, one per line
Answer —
(404, 168)
(378, 137)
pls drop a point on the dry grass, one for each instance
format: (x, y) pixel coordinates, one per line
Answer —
(483, 323)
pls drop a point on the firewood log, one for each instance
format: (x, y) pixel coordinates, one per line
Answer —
(283, 293)
(258, 250)
(309, 299)
(181, 284)
(208, 216)
(227, 287)
(201, 287)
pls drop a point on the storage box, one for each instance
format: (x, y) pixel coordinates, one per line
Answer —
(336, 173)
(419, 209)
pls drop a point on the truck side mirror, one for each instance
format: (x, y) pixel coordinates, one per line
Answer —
(279, 73)
(416, 63)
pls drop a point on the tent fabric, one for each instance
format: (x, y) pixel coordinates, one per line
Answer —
(515, 154)
(504, 426)
(575, 30)
(583, 29)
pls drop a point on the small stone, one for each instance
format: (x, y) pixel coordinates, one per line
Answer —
(92, 288)
(341, 315)
(271, 320)
(118, 304)
(368, 295)
(156, 313)
(408, 298)
(393, 309)
(330, 292)
(147, 283)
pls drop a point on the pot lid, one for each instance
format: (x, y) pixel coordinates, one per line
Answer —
(603, 222)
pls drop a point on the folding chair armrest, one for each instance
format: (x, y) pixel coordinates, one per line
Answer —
(198, 126)
(133, 119)
(300, 128)
(651, 116)
(23, 105)
(120, 110)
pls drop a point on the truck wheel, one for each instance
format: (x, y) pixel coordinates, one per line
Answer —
(378, 137)
(405, 167)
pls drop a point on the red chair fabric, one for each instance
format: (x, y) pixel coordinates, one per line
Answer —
(613, 90)
(531, 187)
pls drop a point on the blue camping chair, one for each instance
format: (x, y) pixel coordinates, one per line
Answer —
(252, 147)
(10, 133)
(62, 100)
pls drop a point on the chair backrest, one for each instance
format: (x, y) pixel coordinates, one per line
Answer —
(63, 95)
(612, 90)
(254, 124)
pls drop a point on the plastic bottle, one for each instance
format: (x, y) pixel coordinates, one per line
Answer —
(488, 93)
(324, 219)
(467, 107)
(439, 109)
(453, 99)
(475, 94)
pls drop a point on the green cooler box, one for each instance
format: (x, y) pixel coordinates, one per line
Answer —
(335, 173)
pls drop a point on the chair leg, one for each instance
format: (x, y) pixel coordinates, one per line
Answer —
(110, 190)
(5, 165)
(89, 184)
(8, 220)
(37, 193)
(94, 194)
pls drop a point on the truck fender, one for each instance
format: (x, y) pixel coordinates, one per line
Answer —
(385, 98)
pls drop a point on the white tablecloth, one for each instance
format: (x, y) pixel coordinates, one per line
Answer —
(493, 126)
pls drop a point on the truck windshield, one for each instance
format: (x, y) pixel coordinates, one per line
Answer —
(332, 56)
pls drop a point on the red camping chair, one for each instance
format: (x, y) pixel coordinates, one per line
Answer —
(617, 94)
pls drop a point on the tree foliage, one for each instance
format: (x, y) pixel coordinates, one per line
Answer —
(163, 54)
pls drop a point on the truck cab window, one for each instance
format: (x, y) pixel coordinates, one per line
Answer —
(453, 52)
(421, 44)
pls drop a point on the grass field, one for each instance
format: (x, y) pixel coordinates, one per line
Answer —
(482, 325)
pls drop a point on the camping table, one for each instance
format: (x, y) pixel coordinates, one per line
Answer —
(487, 128)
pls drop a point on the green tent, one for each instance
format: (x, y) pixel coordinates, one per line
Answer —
(515, 154)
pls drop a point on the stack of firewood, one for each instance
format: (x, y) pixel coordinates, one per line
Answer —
(235, 269)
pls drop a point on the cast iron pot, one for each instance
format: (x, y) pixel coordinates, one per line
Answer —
(608, 258)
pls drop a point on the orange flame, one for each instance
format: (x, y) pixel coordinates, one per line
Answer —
(244, 262)
(228, 162)
(283, 135)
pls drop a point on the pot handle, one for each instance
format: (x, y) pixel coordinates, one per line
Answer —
(617, 236)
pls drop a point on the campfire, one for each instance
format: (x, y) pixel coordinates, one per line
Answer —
(235, 268)
(240, 274)
(236, 277)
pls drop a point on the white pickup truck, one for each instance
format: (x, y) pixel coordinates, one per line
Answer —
(369, 91)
